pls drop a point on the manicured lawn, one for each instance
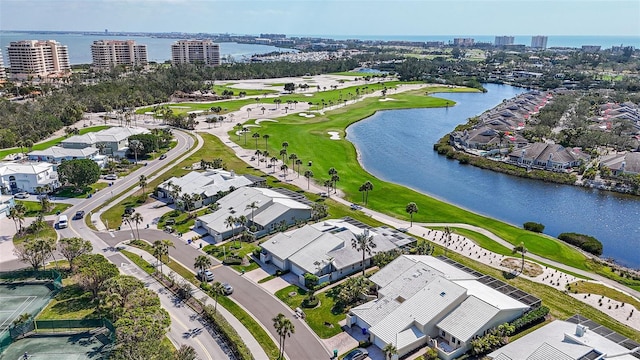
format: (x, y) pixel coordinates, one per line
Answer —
(69, 191)
(71, 303)
(584, 287)
(358, 74)
(50, 143)
(182, 221)
(323, 319)
(184, 107)
(308, 138)
(33, 208)
(219, 89)
(48, 233)
(245, 249)
(608, 272)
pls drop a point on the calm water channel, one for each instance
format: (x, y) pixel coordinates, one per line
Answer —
(407, 158)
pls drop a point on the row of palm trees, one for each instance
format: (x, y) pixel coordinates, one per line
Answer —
(131, 219)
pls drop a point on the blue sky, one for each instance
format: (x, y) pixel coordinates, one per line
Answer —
(329, 17)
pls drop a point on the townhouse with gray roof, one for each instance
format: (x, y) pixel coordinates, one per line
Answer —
(436, 302)
(577, 338)
(209, 185)
(545, 156)
(273, 207)
(112, 141)
(622, 163)
(324, 248)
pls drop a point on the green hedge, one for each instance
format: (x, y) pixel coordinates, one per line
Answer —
(529, 319)
(533, 226)
(584, 242)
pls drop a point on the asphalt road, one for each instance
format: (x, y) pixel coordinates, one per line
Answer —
(262, 305)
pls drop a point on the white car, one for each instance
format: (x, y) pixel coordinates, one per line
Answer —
(21, 195)
(111, 177)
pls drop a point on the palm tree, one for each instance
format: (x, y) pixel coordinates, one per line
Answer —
(257, 154)
(136, 147)
(202, 263)
(126, 218)
(328, 183)
(217, 290)
(195, 198)
(253, 205)
(45, 204)
(298, 162)
(245, 131)
(158, 251)
(285, 328)
(447, 233)
(363, 242)
(389, 350)
(266, 140)
(284, 169)
(367, 186)
(256, 136)
(293, 157)
(137, 219)
(230, 221)
(175, 192)
(285, 144)
(248, 112)
(283, 153)
(263, 109)
(142, 181)
(334, 179)
(411, 209)
(308, 174)
(273, 161)
(522, 250)
(17, 214)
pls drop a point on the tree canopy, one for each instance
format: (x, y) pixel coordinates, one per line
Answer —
(79, 172)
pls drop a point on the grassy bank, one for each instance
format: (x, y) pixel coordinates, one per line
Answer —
(33, 208)
(308, 138)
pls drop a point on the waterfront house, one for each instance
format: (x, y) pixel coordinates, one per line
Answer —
(622, 163)
(545, 156)
(436, 302)
(324, 249)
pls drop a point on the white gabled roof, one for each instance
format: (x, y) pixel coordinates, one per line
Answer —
(30, 168)
(560, 336)
(425, 306)
(113, 134)
(285, 244)
(468, 318)
(449, 271)
(60, 152)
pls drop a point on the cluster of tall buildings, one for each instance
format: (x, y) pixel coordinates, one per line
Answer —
(30, 59)
(537, 42)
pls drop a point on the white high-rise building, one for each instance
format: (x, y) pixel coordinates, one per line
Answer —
(503, 40)
(194, 52)
(539, 42)
(38, 58)
(3, 73)
(109, 53)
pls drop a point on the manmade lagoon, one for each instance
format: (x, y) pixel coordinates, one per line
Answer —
(407, 158)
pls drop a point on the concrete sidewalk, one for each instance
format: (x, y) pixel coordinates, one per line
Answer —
(249, 340)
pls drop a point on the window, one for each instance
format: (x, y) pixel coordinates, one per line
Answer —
(453, 340)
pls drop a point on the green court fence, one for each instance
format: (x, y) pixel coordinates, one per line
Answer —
(26, 275)
(54, 326)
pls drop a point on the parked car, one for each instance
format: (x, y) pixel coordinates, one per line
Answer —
(111, 177)
(228, 289)
(355, 207)
(323, 194)
(357, 354)
(79, 215)
(205, 275)
(163, 156)
(21, 195)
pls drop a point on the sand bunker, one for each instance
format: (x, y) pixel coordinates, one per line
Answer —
(180, 107)
(334, 135)
(306, 115)
(262, 120)
(308, 95)
(387, 99)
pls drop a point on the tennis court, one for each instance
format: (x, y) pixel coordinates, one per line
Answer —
(86, 345)
(18, 298)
